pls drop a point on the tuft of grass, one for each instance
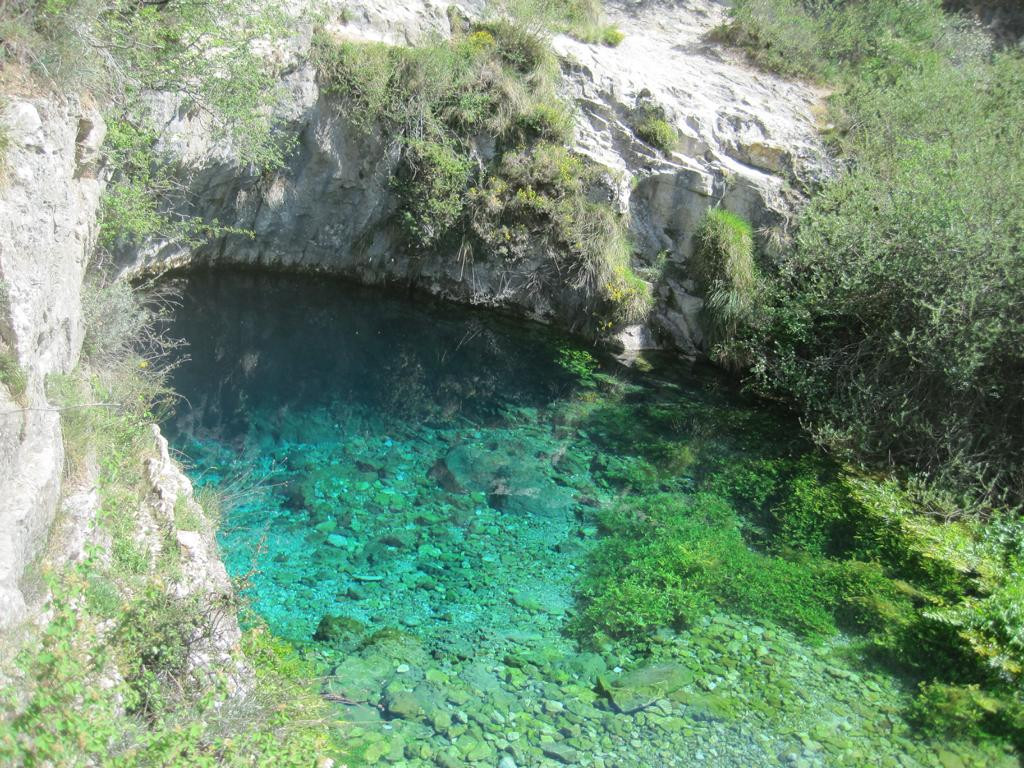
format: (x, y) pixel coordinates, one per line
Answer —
(599, 34)
(12, 375)
(649, 124)
(724, 268)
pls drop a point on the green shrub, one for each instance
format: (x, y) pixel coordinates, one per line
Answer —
(581, 19)
(547, 122)
(658, 133)
(518, 46)
(894, 323)
(724, 269)
(600, 34)
(779, 35)
(155, 635)
(548, 185)
(432, 187)
(611, 35)
(806, 38)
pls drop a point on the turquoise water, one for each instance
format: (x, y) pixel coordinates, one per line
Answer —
(412, 492)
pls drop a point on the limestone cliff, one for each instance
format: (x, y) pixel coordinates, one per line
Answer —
(48, 206)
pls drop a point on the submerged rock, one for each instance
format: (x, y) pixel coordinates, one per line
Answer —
(640, 688)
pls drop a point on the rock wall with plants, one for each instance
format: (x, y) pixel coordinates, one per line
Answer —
(548, 176)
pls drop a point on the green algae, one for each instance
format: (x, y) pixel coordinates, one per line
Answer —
(433, 490)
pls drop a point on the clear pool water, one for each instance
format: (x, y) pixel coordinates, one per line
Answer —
(412, 493)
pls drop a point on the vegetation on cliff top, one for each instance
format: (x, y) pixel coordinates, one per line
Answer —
(496, 79)
(122, 51)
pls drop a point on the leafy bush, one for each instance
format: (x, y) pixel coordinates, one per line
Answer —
(432, 188)
(895, 323)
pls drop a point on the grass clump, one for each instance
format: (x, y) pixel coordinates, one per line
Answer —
(12, 375)
(581, 19)
(649, 124)
(725, 271)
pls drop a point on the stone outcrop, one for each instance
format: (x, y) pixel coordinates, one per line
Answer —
(48, 219)
(48, 205)
(747, 142)
(169, 502)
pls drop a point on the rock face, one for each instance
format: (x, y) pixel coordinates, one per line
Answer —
(747, 140)
(169, 501)
(48, 205)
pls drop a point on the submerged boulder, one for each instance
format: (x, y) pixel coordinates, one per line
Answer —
(640, 688)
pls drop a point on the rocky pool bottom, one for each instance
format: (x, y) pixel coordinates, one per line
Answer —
(415, 494)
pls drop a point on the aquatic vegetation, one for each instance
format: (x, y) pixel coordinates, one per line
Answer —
(670, 561)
